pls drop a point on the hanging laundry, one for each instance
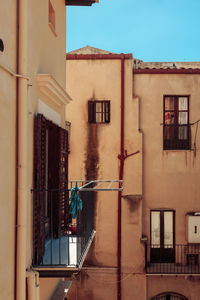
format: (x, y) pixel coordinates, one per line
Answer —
(75, 202)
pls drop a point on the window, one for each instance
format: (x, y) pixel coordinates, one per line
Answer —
(169, 296)
(98, 111)
(176, 129)
(50, 174)
(162, 236)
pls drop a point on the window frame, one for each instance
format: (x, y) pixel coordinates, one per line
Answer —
(175, 143)
(162, 253)
(168, 296)
(93, 113)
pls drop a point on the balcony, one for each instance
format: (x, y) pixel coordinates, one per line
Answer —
(61, 239)
(181, 259)
(177, 137)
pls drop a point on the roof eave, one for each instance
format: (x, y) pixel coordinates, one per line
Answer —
(80, 2)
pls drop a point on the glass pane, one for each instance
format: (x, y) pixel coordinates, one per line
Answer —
(183, 132)
(169, 132)
(169, 117)
(98, 117)
(182, 103)
(155, 229)
(169, 103)
(182, 117)
(168, 229)
(98, 107)
(98, 112)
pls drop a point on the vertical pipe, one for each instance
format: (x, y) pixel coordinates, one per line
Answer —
(121, 157)
(16, 142)
(22, 155)
(31, 286)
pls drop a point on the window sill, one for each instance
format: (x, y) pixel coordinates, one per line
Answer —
(52, 29)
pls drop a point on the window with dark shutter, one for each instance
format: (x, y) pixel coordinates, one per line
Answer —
(98, 111)
(50, 200)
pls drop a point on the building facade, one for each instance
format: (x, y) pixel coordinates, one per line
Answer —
(33, 100)
(137, 122)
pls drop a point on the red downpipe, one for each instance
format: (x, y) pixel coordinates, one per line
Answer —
(16, 143)
(121, 168)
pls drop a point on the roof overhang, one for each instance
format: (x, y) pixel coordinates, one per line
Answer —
(98, 56)
(166, 71)
(80, 2)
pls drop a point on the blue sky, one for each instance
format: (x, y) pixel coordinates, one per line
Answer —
(152, 30)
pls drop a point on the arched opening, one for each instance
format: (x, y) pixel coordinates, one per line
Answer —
(169, 296)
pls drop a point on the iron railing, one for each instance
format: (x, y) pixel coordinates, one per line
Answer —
(176, 137)
(58, 239)
(181, 259)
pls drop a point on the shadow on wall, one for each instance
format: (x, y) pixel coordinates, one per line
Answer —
(92, 155)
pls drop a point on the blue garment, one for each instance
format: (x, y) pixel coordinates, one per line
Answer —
(75, 202)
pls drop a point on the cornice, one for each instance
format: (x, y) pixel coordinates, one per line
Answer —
(50, 88)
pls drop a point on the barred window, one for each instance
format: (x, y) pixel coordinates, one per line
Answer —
(176, 129)
(99, 111)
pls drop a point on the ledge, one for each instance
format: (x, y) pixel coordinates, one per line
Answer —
(50, 88)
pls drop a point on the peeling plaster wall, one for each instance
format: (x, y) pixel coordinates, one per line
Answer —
(95, 156)
(7, 149)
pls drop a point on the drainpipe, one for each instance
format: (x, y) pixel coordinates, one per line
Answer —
(32, 285)
(21, 151)
(121, 168)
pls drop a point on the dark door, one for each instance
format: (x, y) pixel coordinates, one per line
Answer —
(162, 236)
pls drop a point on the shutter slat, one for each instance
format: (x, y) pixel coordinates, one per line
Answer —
(91, 112)
(39, 183)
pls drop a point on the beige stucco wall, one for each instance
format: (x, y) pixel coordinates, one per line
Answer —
(7, 150)
(47, 287)
(101, 80)
(46, 52)
(170, 178)
(187, 286)
(46, 55)
(153, 178)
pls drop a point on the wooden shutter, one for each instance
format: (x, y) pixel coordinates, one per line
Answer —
(53, 176)
(63, 182)
(91, 112)
(50, 141)
(107, 111)
(39, 186)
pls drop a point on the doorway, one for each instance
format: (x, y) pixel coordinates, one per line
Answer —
(162, 236)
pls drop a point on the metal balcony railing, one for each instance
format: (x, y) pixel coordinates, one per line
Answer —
(176, 137)
(59, 239)
(181, 259)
